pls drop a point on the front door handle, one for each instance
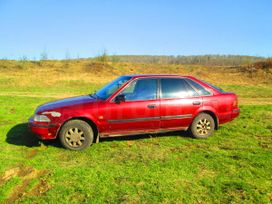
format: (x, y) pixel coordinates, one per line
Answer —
(151, 106)
(196, 103)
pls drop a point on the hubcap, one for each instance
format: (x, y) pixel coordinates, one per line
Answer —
(74, 137)
(203, 126)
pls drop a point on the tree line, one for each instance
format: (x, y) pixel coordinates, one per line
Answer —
(209, 60)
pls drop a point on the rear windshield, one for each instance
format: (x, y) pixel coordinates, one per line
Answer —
(214, 87)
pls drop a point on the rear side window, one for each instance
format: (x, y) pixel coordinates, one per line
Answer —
(176, 88)
(200, 89)
(215, 87)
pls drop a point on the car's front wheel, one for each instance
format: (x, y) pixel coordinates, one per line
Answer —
(202, 126)
(76, 135)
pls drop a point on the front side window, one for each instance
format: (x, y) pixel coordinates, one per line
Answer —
(109, 89)
(176, 88)
(141, 89)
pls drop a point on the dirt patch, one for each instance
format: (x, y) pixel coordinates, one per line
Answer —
(32, 153)
(204, 172)
(20, 191)
(5, 122)
(226, 147)
(270, 197)
(40, 188)
(27, 174)
(12, 111)
(188, 147)
(264, 141)
(130, 143)
(9, 174)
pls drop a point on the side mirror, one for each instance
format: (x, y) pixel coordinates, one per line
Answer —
(120, 98)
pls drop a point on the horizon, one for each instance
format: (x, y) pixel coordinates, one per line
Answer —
(26, 58)
(86, 29)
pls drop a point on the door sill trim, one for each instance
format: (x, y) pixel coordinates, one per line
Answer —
(129, 133)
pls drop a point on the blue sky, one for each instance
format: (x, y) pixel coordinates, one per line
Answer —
(150, 27)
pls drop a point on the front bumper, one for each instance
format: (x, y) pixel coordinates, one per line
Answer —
(44, 131)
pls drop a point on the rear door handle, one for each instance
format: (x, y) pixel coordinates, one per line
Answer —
(196, 103)
(151, 106)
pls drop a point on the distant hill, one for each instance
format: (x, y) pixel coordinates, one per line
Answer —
(208, 60)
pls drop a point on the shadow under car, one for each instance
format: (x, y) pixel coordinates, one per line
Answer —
(20, 135)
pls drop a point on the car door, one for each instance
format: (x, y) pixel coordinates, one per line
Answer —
(179, 103)
(139, 112)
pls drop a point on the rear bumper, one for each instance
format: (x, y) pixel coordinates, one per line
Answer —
(43, 131)
(235, 113)
(228, 116)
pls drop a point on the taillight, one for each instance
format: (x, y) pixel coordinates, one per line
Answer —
(235, 103)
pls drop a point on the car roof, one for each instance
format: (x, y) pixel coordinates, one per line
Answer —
(155, 75)
(136, 76)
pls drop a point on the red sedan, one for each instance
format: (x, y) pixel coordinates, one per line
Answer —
(136, 104)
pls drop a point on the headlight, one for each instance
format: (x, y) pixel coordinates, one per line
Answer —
(52, 113)
(41, 118)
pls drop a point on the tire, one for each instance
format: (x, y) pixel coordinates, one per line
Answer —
(76, 135)
(202, 126)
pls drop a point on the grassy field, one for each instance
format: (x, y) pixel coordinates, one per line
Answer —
(232, 166)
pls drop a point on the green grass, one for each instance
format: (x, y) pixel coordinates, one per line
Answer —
(234, 165)
(258, 91)
(75, 87)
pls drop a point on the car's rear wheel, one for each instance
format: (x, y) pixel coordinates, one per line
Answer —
(76, 135)
(202, 126)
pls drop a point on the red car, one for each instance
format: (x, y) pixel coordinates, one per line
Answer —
(136, 104)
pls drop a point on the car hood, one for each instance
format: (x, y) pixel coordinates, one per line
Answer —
(79, 100)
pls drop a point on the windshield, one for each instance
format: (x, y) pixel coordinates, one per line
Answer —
(110, 88)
